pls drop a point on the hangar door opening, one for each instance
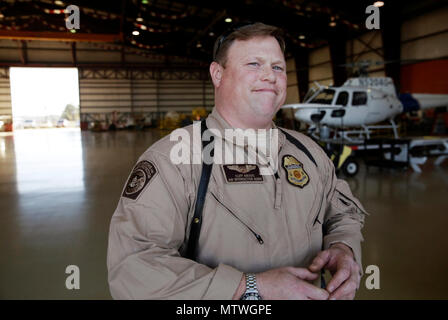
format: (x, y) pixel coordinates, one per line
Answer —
(44, 98)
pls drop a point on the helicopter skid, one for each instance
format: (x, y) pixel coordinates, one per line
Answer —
(350, 136)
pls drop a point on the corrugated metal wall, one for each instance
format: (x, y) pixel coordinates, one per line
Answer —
(133, 91)
(320, 66)
(184, 95)
(104, 95)
(5, 93)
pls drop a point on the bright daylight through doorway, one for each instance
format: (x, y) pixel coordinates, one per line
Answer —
(44, 98)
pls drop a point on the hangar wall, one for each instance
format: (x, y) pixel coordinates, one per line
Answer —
(5, 92)
(133, 88)
(292, 90)
(423, 40)
(320, 66)
(147, 92)
(112, 89)
(423, 37)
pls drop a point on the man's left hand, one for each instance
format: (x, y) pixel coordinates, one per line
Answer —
(338, 259)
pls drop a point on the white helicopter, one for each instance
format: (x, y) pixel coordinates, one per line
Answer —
(360, 103)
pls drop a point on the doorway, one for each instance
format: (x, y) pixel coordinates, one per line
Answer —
(44, 98)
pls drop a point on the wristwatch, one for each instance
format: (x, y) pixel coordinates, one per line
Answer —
(251, 288)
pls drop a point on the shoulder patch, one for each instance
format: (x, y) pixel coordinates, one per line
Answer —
(141, 175)
(295, 171)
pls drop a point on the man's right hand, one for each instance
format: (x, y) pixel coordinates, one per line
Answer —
(289, 283)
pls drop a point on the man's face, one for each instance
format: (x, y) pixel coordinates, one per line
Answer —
(254, 77)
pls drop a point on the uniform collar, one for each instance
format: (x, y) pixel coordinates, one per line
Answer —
(216, 121)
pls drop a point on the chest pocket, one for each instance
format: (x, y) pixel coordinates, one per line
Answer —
(229, 235)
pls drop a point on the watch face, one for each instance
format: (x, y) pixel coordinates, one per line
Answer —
(251, 296)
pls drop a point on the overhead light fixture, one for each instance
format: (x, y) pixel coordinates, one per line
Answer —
(301, 37)
(139, 19)
(135, 33)
(59, 3)
(332, 23)
(378, 4)
(228, 20)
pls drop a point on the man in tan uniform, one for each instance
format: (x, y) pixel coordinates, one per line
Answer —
(261, 236)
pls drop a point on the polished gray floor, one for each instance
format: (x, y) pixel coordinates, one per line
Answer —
(59, 188)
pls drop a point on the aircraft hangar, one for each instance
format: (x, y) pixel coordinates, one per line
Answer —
(87, 86)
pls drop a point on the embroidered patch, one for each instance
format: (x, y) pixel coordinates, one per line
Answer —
(242, 173)
(295, 172)
(139, 179)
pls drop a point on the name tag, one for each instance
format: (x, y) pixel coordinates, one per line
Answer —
(242, 173)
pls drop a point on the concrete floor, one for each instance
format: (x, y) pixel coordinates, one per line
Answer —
(59, 188)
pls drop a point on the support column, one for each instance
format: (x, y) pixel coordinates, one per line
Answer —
(390, 24)
(337, 44)
(301, 59)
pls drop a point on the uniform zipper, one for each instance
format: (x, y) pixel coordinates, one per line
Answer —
(256, 235)
(318, 211)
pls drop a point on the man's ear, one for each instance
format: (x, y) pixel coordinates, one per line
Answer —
(216, 73)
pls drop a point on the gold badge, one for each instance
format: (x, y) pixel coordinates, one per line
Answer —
(294, 169)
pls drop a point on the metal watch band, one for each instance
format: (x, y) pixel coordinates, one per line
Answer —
(251, 288)
(251, 283)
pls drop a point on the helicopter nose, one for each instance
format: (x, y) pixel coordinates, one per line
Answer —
(317, 117)
(309, 116)
(303, 115)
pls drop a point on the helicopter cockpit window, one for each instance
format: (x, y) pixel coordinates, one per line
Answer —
(342, 98)
(324, 97)
(359, 98)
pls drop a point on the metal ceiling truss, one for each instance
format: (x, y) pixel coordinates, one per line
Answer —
(143, 74)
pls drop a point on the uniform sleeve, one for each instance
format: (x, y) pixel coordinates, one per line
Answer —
(145, 235)
(345, 215)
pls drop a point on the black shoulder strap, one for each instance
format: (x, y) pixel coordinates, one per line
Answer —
(299, 145)
(196, 222)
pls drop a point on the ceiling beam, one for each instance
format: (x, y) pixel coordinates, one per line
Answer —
(59, 36)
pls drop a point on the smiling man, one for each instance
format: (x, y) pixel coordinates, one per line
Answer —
(258, 68)
(226, 230)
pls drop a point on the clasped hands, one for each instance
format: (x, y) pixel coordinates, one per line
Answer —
(295, 283)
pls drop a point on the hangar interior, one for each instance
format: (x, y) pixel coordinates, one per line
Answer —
(142, 70)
